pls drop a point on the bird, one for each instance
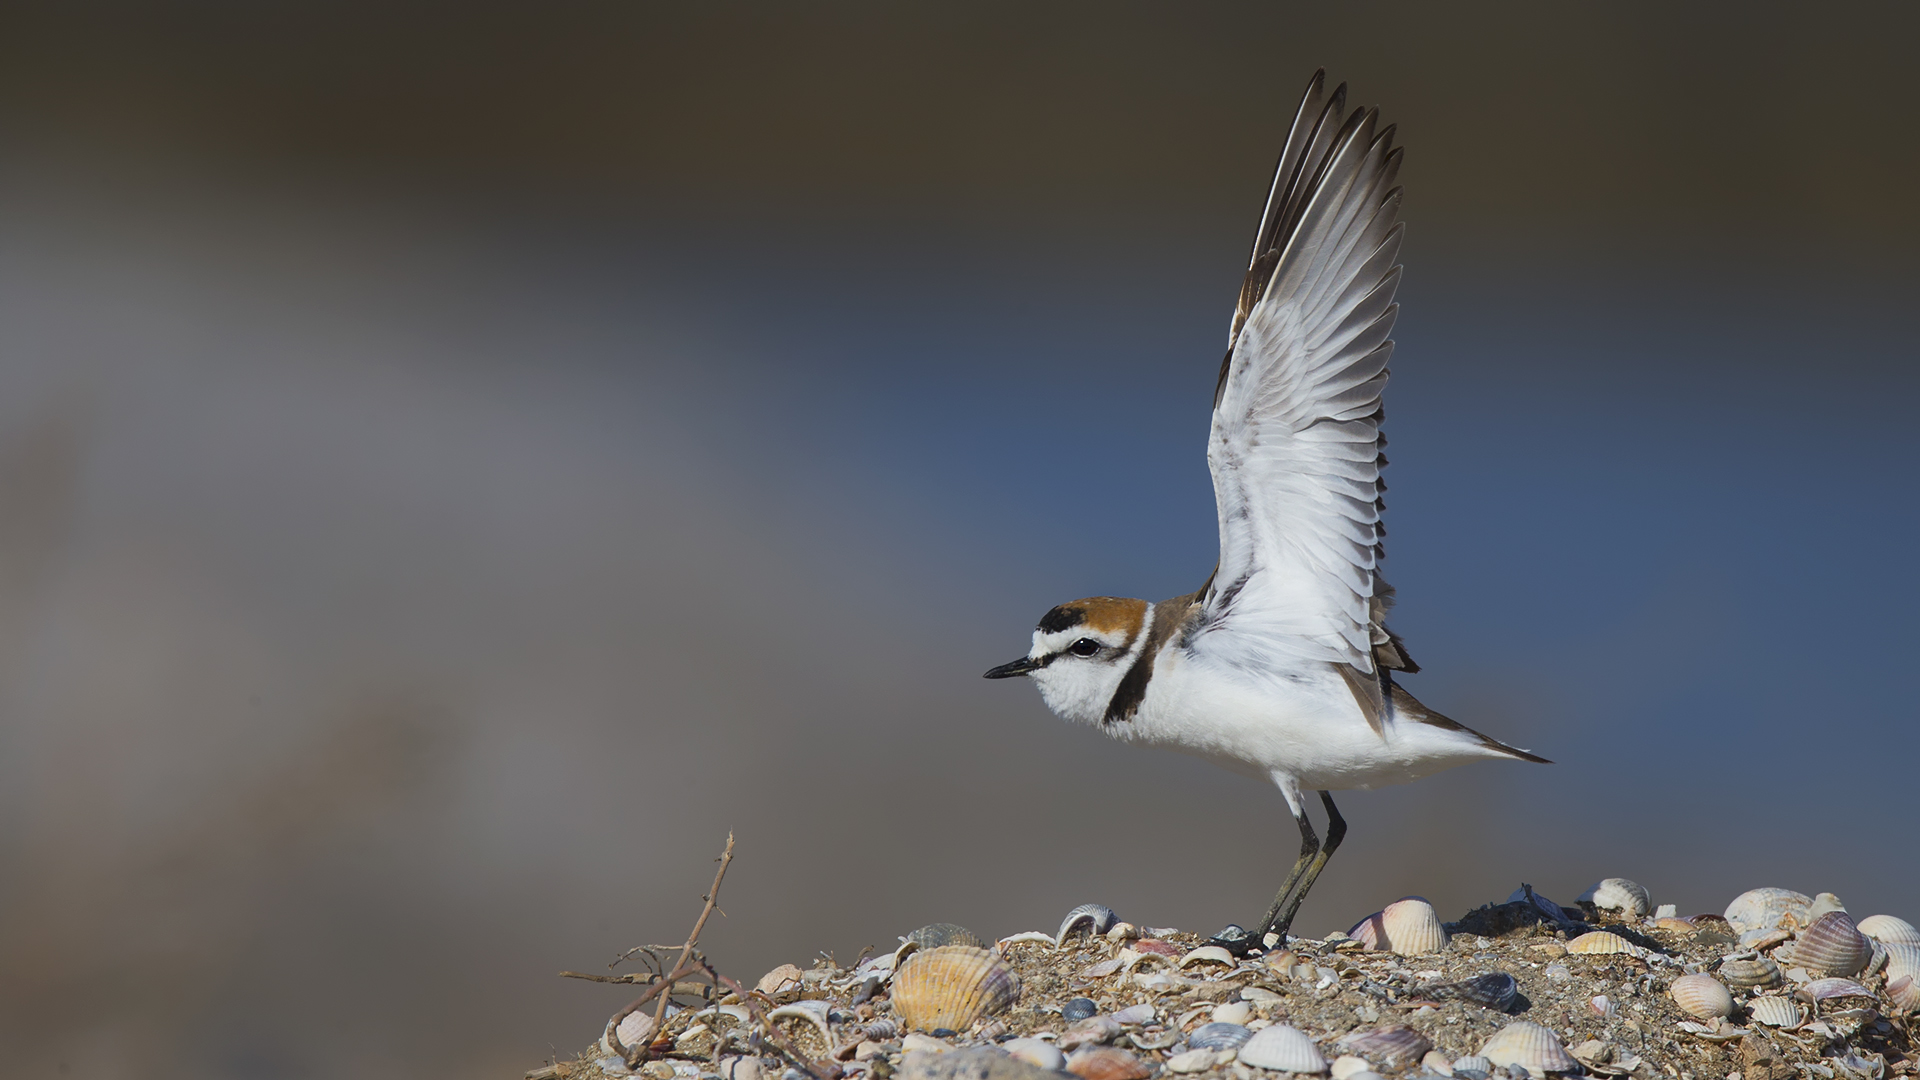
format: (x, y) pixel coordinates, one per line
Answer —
(1281, 666)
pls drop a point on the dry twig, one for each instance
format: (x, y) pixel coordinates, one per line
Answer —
(635, 1055)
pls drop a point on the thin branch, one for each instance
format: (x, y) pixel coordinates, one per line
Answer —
(778, 1041)
(637, 1054)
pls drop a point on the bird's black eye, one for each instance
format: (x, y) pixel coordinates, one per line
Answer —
(1084, 647)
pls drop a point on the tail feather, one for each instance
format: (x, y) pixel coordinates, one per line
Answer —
(1406, 705)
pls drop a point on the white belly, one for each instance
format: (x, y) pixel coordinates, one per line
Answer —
(1307, 729)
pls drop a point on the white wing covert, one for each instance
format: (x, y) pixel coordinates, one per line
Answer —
(1295, 443)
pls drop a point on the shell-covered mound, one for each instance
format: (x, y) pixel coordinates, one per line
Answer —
(1780, 987)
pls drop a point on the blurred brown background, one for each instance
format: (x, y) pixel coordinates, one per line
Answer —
(457, 462)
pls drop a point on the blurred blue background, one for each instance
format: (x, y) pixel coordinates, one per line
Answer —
(457, 463)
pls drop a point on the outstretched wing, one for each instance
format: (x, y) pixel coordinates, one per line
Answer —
(1295, 446)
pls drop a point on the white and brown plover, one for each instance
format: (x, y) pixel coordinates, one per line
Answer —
(1281, 665)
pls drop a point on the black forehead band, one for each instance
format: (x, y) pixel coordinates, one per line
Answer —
(1061, 618)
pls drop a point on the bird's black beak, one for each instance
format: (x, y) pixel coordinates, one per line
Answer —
(1008, 671)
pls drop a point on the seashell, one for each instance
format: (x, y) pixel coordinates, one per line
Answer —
(1673, 925)
(1889, 930)
(635, 1029)
(1036, 1052)
(1600, 942)
(1030, 937)
(1160, 1040)
(1473, 1067)
(1285, 1048)
(1828, 989)
(1776, 1012)
(1103, 969)
(1769, 909)
(1158, 947)
(784, 977)
(1092, 920)
(1603, 1006)
(1219, 1035)
(1902, 959)
(951, 986)
(1091, 1031)
(1436, 1062)
(1078, 1009)
(882, 1031)
(1123, 931)
(1530, 1046)
(1619, 894)
(1393, 1046)
(1823, 903)
(1749, 972)
(805, 1022)
(1193, 1061)
(1702, 996)
(1135, 1014)
(1593, 1052)
(1408, 927)
(1495, 990)
(1257, 996)
(1232, 1012)
(1107, 1063)
(1761, 940)
(940, 934)
(1904, 992)
(1207, 954)
(1832, 946)
(1347, 1065)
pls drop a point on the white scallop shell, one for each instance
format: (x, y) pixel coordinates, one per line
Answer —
(1394, 1045)
(1285, 1048)
(1769, 909)
(1619, 894)
(1347, 1065)
(1702, 996)
(1408, 927)
(1092, 920)
(1827, 989)
(1207, 954)
(1775, 1012)
(1530, 1046)
(636, 1028)
(1472, 1063)
(1599, 942)
(1823, 903)
(1902, 959)
(952, 986)
(1888, 930)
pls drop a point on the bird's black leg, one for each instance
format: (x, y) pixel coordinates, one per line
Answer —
(1336, 832)
(1309, 848)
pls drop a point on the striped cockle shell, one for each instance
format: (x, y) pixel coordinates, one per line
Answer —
(1284, 1048)
(1530, 1046)
(1769, 909)
(1749, 971)
(1472, 1065)
(635, 1029)
(1902, 959)
(1904, 992)
(1889, 930)
(1828, 989)
(1776, 1012)
(1093, 920)
(1600, 942)
(805, 1023)
(785, 977)
(1618, 894)
(1408, 927)
(1832, 946)
(951, 986)
(1393, 1046)
(1701, 995)
(1219, 1036)
(1495, 990)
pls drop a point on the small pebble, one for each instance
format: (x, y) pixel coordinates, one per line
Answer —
(1347, 1065)
(1233, 1012)
(1036, 1052)
(1193, 1061)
